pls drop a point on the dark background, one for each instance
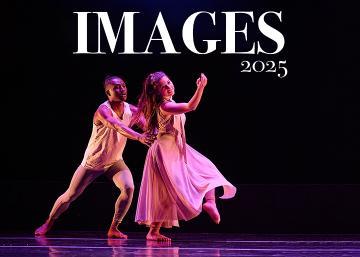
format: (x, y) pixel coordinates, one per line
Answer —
(290, 145)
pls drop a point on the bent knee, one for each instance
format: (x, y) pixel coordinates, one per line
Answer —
(129, 189)
(127, 192)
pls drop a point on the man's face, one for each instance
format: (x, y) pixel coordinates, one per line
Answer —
(116, 90)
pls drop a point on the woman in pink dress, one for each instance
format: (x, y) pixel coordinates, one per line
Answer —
(176, 177)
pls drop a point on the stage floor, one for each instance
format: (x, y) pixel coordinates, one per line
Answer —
(93, 244)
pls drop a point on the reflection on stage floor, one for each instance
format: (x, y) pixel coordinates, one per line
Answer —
(78, 244)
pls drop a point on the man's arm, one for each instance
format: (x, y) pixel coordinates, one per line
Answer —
(140, 122)
(104, 115)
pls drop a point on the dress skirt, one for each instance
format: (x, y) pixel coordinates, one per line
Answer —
(173, 187)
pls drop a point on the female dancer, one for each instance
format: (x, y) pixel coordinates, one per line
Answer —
(176, 177)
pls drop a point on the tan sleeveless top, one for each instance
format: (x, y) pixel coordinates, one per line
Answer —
(106, 145)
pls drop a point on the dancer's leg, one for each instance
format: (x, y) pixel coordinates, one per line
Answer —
(154, 233)
(122, 178)
(210, 206)
(80, 180)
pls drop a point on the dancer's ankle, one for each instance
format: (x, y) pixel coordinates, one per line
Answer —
(210, 200)
(113, 227)
(115, 224)
(154, 228)
(49, 222)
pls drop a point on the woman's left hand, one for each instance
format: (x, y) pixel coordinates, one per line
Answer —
(202, 81)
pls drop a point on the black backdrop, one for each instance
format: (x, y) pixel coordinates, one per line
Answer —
(256, 127)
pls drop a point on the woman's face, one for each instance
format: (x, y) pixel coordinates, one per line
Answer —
(166, 88)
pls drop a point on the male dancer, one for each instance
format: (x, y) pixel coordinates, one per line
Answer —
(104, 156)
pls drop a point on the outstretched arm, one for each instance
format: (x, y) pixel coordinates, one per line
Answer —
(104, 115)
(178, 108)
(140, 122)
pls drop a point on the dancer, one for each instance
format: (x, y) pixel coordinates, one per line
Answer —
(176, 177)
(104, 156)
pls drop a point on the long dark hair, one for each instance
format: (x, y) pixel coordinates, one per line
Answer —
(149, 100)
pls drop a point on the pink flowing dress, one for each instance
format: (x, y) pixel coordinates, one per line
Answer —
(176, 177)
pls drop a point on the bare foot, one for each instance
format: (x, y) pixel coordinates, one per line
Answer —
(115, 233)
(156, 236)
(210, 208)
(43, 229)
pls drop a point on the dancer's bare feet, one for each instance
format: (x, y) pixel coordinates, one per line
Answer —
(156, 236)
(211, 209)
(44, 228)
(115, 233)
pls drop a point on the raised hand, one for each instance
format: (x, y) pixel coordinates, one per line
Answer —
(201, 81)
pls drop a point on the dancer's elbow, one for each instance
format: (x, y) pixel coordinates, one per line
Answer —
(192, 107)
